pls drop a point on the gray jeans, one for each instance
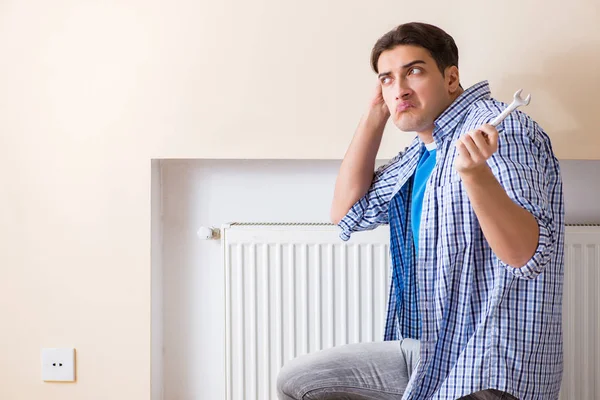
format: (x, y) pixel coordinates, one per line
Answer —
(379, 370)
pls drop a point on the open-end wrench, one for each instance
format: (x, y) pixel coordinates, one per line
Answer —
(517, 102)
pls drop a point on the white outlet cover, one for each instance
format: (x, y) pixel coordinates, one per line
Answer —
(58, 365)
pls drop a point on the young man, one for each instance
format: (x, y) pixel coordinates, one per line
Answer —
(477, 230)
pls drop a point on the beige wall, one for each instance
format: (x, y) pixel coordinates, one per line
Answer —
(90, 91)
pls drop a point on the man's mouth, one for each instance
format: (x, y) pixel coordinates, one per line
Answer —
(403, 106)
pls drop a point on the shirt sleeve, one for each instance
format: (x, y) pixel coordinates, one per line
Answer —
(528, 171)
(372, 209)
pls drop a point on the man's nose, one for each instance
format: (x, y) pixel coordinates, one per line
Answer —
(402, 89)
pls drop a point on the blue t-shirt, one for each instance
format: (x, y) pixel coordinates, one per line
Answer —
(424, 168)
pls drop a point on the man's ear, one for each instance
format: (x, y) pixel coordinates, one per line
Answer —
(452, 77)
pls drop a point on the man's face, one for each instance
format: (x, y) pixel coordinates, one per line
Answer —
(413, 87)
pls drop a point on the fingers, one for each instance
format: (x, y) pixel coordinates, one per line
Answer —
(492, 135)
(475, 148)
(482, 141)
(474, 152)
(462, 149)
(378, 86)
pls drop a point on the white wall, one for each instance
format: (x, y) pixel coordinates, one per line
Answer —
(205, 193)
(157, 284)
(582, 191)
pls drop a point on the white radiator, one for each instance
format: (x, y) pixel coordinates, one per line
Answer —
(581, 314)
(291, 290)
(296, 289)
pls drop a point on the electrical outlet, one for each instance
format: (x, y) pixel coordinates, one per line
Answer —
(58, 365)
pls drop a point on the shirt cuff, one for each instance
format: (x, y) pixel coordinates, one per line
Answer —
(352, 218)
(540, 259)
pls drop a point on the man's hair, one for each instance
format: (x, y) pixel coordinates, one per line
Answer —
(440, 45)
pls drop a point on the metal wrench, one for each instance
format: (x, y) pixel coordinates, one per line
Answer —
(517, 102)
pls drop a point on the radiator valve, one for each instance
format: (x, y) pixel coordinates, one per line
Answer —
(209, 233)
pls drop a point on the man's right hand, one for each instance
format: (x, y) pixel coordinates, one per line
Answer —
(377, 104)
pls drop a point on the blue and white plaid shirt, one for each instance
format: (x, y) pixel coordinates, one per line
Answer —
(482, 324)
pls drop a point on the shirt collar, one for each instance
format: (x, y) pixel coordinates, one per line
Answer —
(453, 115)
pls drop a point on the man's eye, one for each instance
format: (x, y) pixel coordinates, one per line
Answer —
(385, 80)
(415, 71)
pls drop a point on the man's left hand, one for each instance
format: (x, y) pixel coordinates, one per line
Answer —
(475, 148)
